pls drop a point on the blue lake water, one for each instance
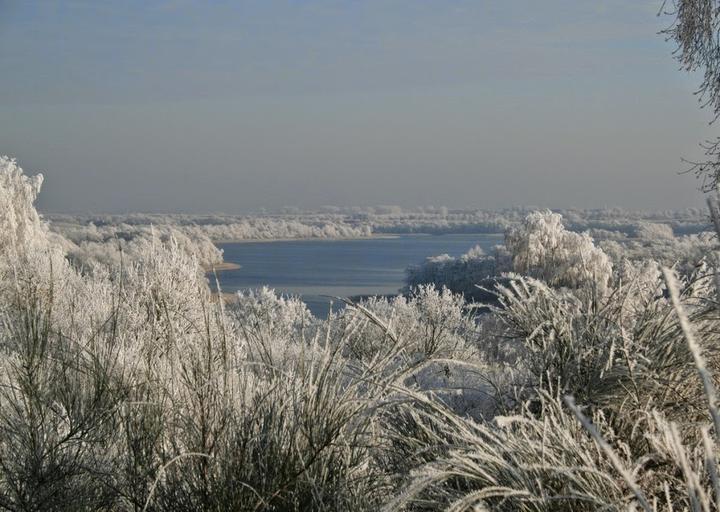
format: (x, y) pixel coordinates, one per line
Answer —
(316, 269)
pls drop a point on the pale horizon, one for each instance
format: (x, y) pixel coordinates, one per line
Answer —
(188, 107)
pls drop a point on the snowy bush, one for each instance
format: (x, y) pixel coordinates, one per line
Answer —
(541, 247)
(654, 231)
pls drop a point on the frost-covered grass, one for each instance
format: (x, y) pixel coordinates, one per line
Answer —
(589, 384)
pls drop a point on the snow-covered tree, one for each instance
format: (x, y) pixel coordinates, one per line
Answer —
(22, 232)
(654, 231)
(541, 247)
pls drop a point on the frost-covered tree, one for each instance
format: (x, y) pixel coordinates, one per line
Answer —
(22, 232)
(654, 231)
(541, 247)
(696, 31)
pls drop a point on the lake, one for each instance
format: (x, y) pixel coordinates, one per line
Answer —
(315, 269)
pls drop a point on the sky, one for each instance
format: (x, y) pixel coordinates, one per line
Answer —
(195, 106)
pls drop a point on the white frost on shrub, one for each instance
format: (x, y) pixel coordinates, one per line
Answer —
(541, 247)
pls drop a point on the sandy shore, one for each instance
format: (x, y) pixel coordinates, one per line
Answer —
(225, 265)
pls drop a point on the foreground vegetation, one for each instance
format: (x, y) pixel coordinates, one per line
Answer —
(589, 385)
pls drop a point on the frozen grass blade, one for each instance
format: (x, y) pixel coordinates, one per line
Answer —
(610, 453)
(695, 349)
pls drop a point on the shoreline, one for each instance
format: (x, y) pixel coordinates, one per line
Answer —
(219, 267)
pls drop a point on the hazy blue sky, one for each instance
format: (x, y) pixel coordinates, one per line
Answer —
(235, 106)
